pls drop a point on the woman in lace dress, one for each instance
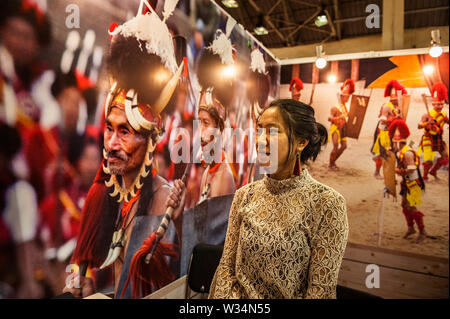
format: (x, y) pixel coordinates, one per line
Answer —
(287, 232)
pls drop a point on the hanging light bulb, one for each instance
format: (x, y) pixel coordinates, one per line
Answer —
(260, 29)
(321, 19)
(230, 3)
(436, 49)
(321, 62)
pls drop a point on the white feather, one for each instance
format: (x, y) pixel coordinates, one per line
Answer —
(155, 33)
(147, 5)
(169, 7)
(223, 47)
(230, 25)
(222, 44)
(257, 62)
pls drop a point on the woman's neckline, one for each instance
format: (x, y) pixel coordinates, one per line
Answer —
(276, 186)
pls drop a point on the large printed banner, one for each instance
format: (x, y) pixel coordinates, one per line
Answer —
(371, 211)
(84, 47)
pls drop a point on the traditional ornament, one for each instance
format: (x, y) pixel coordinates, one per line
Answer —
(258, 84)
(297, 165)
(125, 194)
(118, 242)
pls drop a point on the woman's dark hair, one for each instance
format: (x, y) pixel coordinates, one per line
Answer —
(299, 117)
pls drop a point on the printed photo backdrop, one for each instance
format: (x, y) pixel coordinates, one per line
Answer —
(84, 47)
(355, 180)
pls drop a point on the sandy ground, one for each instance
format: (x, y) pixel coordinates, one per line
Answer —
(364, 195)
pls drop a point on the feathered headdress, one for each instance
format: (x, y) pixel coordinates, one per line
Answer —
(394, 84)
(222, 44)
(258, 83)
(398, 130)
(439, 92)
(349, 85)
(216, 74)
(142, 64)
(298, 84)
(257, 63)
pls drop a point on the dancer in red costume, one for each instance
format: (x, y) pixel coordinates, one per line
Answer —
(412, 184)
(295, 88)
(388, 112)
(338, 119)
(433, 124)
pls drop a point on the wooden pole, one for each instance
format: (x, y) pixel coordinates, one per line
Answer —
(315, 80)
(355, 70)
(381, 218)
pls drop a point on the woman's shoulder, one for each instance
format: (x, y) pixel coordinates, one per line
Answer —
(250, 187)
(247, 190)
(325, 192)
(330, 207)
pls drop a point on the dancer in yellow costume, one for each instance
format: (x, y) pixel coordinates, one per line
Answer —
(412, 184)
(433, 123)
(388, 112)
(338, 119)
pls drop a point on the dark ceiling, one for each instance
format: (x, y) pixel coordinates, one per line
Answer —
(291, 22)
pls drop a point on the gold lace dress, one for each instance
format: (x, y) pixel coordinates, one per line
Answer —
(285, 239)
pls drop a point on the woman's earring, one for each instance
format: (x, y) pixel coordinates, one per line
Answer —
(297, 165)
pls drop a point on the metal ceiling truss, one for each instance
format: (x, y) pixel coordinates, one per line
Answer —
(281, 19)
(293, 37)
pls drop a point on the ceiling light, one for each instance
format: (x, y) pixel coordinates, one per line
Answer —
(230, 3)
(260, 29)
(321, 62)
(436, 49)
(321, 19)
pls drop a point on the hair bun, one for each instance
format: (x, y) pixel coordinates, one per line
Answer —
(322, 133)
